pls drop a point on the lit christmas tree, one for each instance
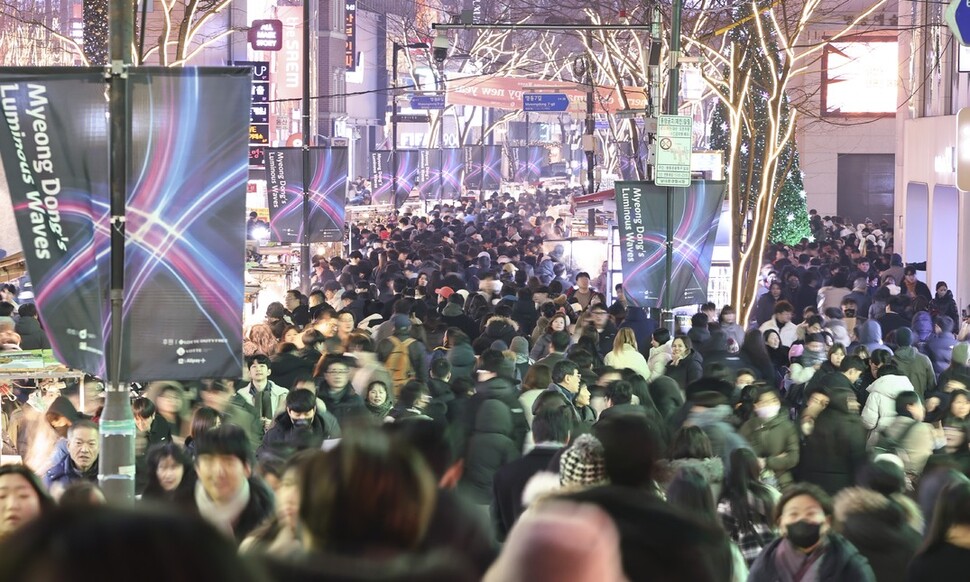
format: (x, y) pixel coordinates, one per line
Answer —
(789, 221)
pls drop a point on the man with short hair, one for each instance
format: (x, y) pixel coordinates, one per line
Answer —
(32, 335)
(567, 382)
(305, 424)
(600, 319)
(336, 391)
(557, 349)
(781, 323)
(81, 462)
(262, 394)
(299, 313)
(552, 430)
(227, 495)
(582, 293)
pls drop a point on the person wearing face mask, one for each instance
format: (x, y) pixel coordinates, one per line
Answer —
(773, 437)
(304, 424)
(809, 550)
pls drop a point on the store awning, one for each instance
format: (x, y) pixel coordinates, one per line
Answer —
(12, 267)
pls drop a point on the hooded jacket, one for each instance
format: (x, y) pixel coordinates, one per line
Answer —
(922, 327)
(880, 408)
(462, 360)
(502, 390)
(454, 316)
(712, 469)
(917, 368)
(958, 365)
(939, 347)
(497, 328)
(714, 423)
(881, 528)
(525, 314)
(489, 448)
(836, 449)
(870, 335)
(32, 336)
(776, 441)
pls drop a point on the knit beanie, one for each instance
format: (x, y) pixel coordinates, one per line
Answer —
(520, 346)
(583, 463)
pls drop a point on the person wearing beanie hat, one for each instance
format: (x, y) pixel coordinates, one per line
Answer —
(520, 347)
(583, 464)
(913, 364)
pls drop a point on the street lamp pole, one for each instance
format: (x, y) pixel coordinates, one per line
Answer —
(398, 47)
(673, 105)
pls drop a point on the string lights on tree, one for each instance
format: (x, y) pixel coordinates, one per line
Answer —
(748, 65)
(95, 15)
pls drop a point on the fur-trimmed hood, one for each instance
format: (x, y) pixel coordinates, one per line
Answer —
(855, 501)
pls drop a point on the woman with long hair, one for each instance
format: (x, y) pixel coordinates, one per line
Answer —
(171, 475)
(946, 546)
(260, 340)
(746, 505)
(23, 498)
(690, 491)
(626, 354)
(204, 419)
(691, 448)
(686, 364)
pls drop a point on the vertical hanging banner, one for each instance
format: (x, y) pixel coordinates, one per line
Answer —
(483, 169)
(327, 190)
(528, 162)
(426, 178)
(54, 150)
(641, 248)
(186, 236)
(450, 172)
(382, 174)
(642, 216)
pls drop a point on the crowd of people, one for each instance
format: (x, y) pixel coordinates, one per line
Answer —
(456, 400)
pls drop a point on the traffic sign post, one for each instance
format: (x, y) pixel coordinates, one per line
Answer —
(674, 137)
(958, 19)
(427, 102)
(545, 102)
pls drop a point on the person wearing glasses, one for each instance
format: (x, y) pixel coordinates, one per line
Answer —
(336, 391)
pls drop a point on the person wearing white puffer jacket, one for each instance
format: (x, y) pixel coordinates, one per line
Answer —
(880, 409)
(625, 354)
(660, 353)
